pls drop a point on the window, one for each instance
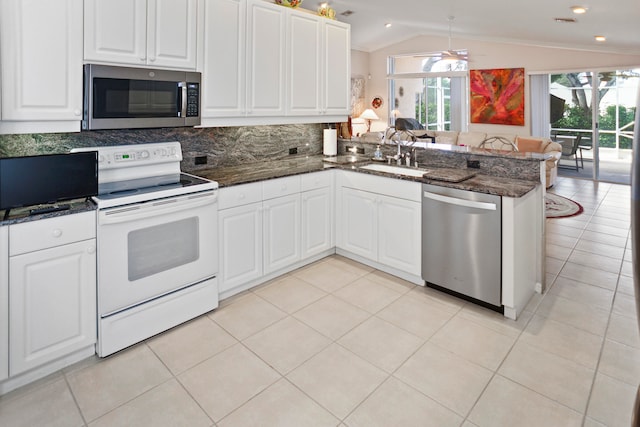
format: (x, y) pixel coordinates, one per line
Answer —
(430, 88)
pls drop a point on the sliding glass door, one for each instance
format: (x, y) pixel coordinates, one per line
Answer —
(596, 141)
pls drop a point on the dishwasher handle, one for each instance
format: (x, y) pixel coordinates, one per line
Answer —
(460, 202)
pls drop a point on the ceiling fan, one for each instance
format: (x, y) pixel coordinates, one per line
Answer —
(450, 54)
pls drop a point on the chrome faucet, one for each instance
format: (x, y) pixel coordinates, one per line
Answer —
(389, 139)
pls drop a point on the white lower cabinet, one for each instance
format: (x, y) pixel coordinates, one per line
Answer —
(380, 220)
(359, 223)
(399, 234)
(4, 303)
(317, 221)
(269, 227)
(52, 289)
(240, 236)
(281, 232)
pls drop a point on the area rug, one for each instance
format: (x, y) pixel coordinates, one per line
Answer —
(560, 207)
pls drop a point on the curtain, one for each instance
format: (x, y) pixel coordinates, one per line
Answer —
(540, 105)
(458, 104)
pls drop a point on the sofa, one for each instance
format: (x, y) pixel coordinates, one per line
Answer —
(526, 144)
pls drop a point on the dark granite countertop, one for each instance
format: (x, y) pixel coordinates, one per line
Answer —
(260, 171)
(19, 215)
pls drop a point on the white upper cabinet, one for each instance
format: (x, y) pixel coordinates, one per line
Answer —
(171, 33)
(337, 68)
(304, 65)
(223, 63)
(41, 63)
(265, 58)
(266, 64)
(319, 66)
(115, 31)
(156, 33)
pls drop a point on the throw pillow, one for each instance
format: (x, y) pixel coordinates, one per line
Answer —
(529, 145)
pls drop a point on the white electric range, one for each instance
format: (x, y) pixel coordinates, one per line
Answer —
(157, 243)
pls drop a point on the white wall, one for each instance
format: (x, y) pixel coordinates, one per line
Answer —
(484, 55)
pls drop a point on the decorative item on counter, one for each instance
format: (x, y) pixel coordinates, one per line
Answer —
(345, 129)
(289, 3)
(326, 11)
(377, 102)
(330, 142)
(369, 115)
(377, 155)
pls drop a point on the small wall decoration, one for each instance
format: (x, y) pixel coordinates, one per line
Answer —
(497, 96)
(377, 102)
(358, 103)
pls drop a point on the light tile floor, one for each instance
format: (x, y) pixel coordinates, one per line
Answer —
(338, 343)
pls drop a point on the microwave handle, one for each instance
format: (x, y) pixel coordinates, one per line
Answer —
(182, 99)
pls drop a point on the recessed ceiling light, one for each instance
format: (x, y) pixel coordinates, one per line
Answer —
(600, 38)
(579, 10)
(565, 20)
(347, 13)
(387, 25)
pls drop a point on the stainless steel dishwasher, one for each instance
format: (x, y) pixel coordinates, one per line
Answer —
(462, 244)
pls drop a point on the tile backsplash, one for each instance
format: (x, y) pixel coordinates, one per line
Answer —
(226, 146)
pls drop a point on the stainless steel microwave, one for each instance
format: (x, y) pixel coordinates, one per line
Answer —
(123, 98)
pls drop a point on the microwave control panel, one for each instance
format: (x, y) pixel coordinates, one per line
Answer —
(193, 99)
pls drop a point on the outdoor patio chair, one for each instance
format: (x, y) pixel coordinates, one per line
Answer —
(570, 147)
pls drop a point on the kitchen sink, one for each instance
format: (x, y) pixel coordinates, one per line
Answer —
(396, 170)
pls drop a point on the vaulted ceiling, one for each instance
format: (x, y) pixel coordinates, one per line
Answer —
(528, 22)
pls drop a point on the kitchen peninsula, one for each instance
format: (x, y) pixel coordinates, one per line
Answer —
(308, 195)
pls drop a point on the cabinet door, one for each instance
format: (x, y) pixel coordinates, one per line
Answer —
(4, 303)
(337, 67)
(317, 221)
(115, 31)
(399, 234)
(171, 33)
(358, 217)
(265, 58)
(52, 304)
(304, 69)
(281, 232)
(240, 245)
(41, 48)
(223, 74)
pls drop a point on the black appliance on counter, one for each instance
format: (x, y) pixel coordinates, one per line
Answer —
(47, 179)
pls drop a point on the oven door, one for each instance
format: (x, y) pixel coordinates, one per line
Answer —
(151, 249)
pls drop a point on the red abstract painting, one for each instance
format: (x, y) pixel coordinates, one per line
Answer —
(497, 96)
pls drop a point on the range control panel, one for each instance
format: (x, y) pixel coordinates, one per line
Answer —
(134, 161)
(143, 155)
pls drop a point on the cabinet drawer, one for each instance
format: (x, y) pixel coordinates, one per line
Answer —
(238, 195)
(280, 187)
(391, 187)
(311, 181)
(51, 232)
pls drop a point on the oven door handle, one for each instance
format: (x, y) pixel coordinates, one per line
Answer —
(156, 208)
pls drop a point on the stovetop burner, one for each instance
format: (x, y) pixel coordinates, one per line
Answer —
(186, 184)
(139, 173)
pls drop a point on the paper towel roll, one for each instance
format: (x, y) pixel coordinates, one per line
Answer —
(330, 142)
